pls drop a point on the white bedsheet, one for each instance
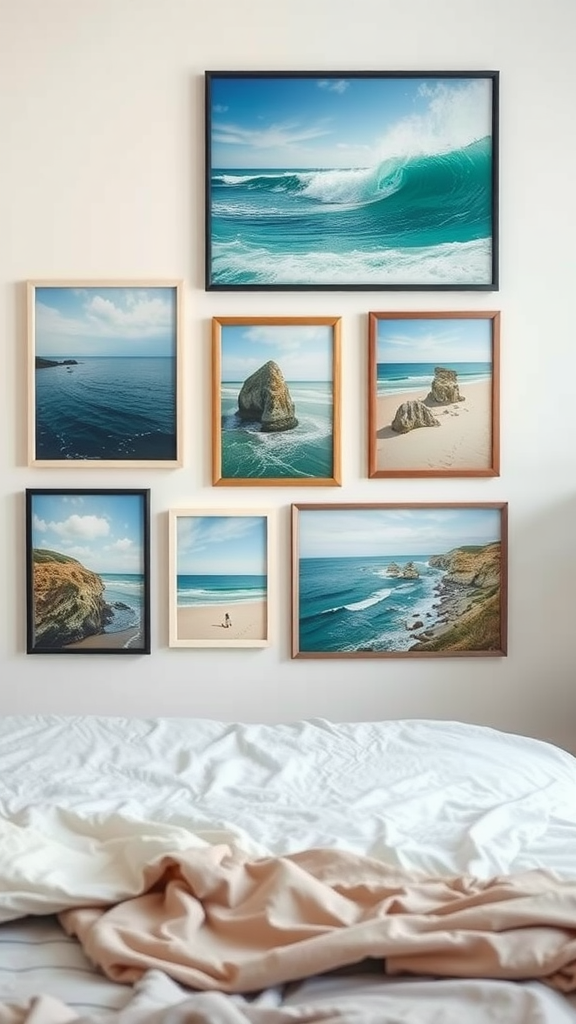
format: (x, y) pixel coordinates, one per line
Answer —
(86, 802)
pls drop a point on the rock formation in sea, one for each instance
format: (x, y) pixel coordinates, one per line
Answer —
(410, 571)
(411, 415)
(393, 569)
(444, 387)
(265, 398)
(68, 600)
(42, 363)
(469, 606)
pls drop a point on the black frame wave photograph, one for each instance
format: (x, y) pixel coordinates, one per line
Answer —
(351, 180)
(104, 373)
(87, 571)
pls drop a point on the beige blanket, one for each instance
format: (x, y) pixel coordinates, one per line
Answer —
(213, 919)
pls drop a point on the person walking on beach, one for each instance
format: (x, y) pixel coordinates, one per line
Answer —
(227, 621)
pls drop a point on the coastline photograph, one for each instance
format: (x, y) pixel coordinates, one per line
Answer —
(219, 579)
(276, 400)
(103, 374)
(434, 394)
(88, 569)
(392, 580)
(350, 181)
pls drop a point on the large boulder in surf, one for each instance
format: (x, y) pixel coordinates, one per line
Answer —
(265, 397)
(411, 415)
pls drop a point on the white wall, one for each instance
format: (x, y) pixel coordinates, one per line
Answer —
(101, 175)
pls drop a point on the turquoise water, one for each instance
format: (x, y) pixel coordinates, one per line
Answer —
(408, 220)
(195, 590)
(396, 378)
(305, 451)
(127, 590)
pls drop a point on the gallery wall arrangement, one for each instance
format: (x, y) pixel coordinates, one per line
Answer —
(367, 579)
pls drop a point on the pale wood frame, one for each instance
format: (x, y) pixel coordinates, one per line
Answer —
(245, 321)
(493, 469)
(168, 284)
(501, 651)
(174, 640)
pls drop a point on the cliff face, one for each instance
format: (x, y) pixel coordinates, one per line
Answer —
(265, 397)
(68, 600)
(469, 608)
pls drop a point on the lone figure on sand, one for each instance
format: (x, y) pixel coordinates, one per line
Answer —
(227, 621)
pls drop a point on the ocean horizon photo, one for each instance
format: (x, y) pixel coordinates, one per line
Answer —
(399, 580)
(352, 180)
(219, 579)
(276, 397)
(103, 374)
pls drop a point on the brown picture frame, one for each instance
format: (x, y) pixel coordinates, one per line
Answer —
(434, 394)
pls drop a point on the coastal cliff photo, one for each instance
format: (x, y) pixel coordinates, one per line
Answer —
(87, 558)
(352, 180)
(103, 373)
(399, 580)
(276, 400)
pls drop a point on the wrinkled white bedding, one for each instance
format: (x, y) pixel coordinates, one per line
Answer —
(86, 803)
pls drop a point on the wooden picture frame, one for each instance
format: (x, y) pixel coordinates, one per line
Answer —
(434, 394)
(87, 571)
(371, 180)
(219, 577)
(104, 380)
(394, 580)
(276, 393)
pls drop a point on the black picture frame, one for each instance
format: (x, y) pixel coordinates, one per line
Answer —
(351, 180)
(87, 571)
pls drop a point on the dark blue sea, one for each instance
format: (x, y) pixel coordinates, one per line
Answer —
(415, 219)
(350, 604)
(107, 408)
(305, 451)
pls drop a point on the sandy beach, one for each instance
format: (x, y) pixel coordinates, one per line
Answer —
(206, 622)
(463, 441)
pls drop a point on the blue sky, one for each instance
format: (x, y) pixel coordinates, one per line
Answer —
(114, 321)
(216, 545)
(434, 340)
(102, 531)
(302, 351)
(365, 532)
(342, 121)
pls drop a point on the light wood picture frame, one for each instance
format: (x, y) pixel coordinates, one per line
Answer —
(104, 374)
(219, 568)
(434, 394)
(405, 581)
(276, 401)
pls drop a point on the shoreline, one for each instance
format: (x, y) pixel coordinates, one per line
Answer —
(206, 621)
(462, 441)
(124, 638)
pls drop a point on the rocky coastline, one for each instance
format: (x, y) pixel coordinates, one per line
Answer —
(69, 603)
(468, 608)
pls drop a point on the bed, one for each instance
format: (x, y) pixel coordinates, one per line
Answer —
(185, 870)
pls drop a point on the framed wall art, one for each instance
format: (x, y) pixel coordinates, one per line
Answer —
(219, 569)
(276, 401)
(104, 374)
(88, 571)
(393, 580)
(351, 180)
(433, 394)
